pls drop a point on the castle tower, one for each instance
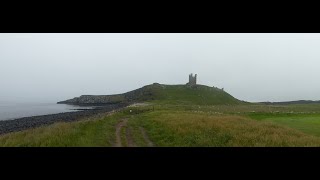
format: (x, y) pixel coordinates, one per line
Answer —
(192, 80)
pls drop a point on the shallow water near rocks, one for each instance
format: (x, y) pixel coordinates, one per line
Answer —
(9, 111)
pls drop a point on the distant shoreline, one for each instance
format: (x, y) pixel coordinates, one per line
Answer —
(291, 102)
(20, 124)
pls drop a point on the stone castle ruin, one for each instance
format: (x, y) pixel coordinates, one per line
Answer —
(192, 80)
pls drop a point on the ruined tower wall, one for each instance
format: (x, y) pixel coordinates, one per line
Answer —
(192, 79)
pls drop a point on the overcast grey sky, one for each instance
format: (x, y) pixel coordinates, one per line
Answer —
(251, 67)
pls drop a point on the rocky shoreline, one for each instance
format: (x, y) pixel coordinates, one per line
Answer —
(20, 124)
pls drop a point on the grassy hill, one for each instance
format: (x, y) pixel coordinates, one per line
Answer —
(180, 115)
(171, 94)
(199, 94)
(138, 126)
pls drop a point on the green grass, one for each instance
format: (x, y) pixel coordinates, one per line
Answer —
(185, 129)
(185, 125)
(188, 116)
(96, 131)
(123, 137)
(197, 95)
(307, 123)
(136, 133)
(166, 94)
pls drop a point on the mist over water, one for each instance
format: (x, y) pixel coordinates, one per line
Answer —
(14, 110)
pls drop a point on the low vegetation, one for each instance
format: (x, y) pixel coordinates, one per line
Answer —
(164, 94)
(179, 128)
(308, 123)
(175, 127)
(182, 116)
(95, 131)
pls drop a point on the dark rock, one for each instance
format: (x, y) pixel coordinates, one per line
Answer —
(37, 121)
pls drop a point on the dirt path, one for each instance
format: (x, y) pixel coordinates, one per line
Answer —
(130, 142)
(129, 139)
(146, 138)
(121, 124)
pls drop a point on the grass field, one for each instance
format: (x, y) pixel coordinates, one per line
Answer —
(95, 131)
(307, 123)
(180, 127)
(184, 117)
(199, 95)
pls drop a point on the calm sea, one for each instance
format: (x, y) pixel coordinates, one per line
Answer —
(10, 111)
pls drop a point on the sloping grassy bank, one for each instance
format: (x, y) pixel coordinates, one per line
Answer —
(161, 93)
(164, 128)
(307, 122)
(182, 128)
(94, 131)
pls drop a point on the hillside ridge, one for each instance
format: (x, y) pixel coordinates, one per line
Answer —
(196, 94)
